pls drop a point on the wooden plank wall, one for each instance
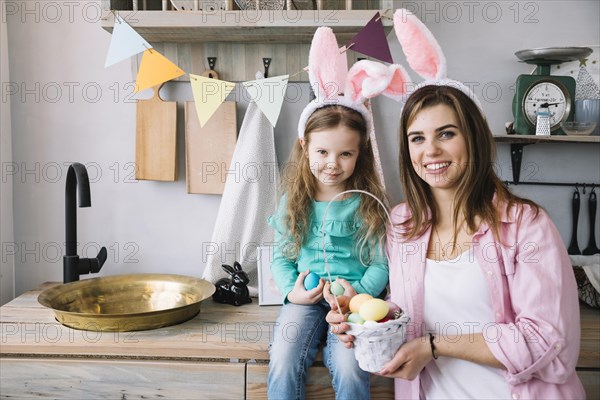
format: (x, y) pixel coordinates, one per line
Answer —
(238, 62)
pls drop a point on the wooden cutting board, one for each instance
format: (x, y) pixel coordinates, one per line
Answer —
(156, 139)
(209, 149)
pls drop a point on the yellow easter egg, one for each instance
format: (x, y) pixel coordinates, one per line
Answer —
(373, 310)
(358, 300)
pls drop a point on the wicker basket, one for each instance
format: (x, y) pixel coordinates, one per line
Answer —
(375, 345)
(587, 293)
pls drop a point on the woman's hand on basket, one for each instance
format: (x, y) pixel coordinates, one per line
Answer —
(299, 295)
(338, 326)
(409, 361)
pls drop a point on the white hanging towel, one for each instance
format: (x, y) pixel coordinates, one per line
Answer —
(249, 198)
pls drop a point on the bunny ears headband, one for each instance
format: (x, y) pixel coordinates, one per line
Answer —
(334, 84)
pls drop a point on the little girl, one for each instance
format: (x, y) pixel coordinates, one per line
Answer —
(333, 154)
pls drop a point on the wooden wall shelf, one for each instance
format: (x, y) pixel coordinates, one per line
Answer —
(516, 151)
(249, 26)
(532, 139)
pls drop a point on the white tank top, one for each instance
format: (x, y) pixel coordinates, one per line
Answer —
(457, 301)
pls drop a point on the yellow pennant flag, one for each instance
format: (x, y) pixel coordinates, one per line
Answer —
(208, 95)
(154, 70)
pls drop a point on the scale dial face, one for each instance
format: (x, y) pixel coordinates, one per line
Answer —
(552, 94)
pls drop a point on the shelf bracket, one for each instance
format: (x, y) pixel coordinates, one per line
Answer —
(516, 156)
(266, 65)
(212, 61)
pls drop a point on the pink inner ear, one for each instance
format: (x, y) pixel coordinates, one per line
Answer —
(397, 85)
(355, 81)
(422, 51)
(328, 88)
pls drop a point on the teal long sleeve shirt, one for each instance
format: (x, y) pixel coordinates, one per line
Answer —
(342, 252)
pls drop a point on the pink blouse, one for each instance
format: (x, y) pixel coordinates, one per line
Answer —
(533, 294)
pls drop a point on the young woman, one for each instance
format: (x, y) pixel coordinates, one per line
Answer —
(334, 154)
(489, 285)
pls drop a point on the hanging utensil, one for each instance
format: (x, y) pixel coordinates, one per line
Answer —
(575, 203)
(591, 247)
(209, 149)
(156, 139)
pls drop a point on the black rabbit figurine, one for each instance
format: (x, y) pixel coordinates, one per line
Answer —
(233, 290)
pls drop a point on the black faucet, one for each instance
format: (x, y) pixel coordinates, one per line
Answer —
(73, 266)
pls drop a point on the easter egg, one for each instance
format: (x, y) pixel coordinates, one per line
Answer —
(358, 300)
(395, 311)
(373, 310)
(311, 281)
(337, 289)
(355, 318)
(371, 324)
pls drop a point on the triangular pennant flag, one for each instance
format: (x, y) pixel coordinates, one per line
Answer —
(154, 70)
(208, 95)
(125, 42)
(268, 94)
(371, 41)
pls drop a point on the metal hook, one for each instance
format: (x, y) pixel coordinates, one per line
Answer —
(211, 62)
(584, 188)
(266, 64)
(577, 187)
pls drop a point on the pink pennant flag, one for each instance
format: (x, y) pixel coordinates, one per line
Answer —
(372, 41)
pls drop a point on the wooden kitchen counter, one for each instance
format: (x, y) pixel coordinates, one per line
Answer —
(219, 332)
(221, 353)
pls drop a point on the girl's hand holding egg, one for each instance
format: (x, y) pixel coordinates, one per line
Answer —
(343, 300)
(300, 295)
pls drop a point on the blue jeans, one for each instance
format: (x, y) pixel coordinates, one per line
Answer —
(299, 331)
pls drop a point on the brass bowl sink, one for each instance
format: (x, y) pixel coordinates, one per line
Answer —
(126, 303)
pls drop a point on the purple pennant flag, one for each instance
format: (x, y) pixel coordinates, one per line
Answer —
(371, 41)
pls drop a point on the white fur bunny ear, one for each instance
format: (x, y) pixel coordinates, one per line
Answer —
(423, 52)
(367, 79)
(327, 68)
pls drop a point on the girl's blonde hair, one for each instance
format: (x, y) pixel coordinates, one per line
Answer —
(479, 183)
(300, 186)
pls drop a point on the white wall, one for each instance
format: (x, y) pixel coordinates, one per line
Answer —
(7, 264)
(158, 227)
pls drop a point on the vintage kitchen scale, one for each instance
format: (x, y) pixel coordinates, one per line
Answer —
(541, 91)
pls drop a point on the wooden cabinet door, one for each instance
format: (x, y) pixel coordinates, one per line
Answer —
(120, 379)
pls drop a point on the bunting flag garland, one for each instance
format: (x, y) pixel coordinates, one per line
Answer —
(154, 70)
(208, 95)
(372, 41)
(268, 94)
(125, 42)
